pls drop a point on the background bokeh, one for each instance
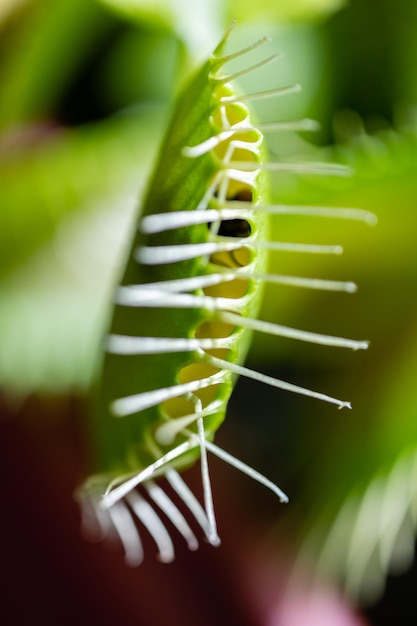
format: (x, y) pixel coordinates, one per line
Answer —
(86, 90)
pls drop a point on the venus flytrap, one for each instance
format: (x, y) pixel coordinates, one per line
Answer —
(185, 309)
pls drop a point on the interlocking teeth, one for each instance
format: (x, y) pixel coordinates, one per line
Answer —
(150, 520)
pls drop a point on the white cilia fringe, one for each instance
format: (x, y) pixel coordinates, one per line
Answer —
(231, 212)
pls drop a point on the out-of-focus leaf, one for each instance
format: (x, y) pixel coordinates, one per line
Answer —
(43, 53)
(7, 7)
(372, 51)
(282, 10)
(62, 174)
(199, 24)
(74, 221)
(141, 66)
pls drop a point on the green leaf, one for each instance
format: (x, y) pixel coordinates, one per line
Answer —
(66, 230)
(40, 57)
(199, 24)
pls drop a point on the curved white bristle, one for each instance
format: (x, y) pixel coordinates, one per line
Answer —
(231, 77)
(365, 536)
(294, 281)
(306, 283)
(124, 344)
(234, 131)
(210, 193)
(246, 469)
(159, 255)
(128, 533)
(250, 146)
(126, 296)
(241, 144)
(213, 536)
(219, 61)
(305, 248)
(166, 433)
(141, 401)
(394, 513)
(292, 333)
(260, 95)
(95, 523)
(191, 501)
(208, 144)
(113, 495)
(175, 299)
(313, 167)
(175, 285)
(161, 222)
(221, 182)
(108, 529)
(305, 124)
(299, 125)
(273, 382)
(147, 516)
(172, 512)
(344, 213)
(129, 293)
(240, 139)
(164, 300)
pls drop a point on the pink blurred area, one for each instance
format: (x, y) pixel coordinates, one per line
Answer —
(321, 607)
